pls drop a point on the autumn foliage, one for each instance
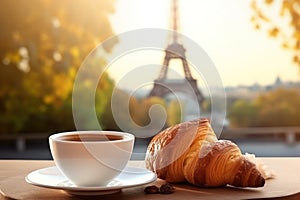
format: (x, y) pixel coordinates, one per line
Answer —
(43, 43)
(281, 20)
(274, 108)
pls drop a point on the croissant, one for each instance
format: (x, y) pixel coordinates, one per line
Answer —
(190, 151)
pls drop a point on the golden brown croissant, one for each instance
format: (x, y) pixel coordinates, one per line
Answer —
(191, 152)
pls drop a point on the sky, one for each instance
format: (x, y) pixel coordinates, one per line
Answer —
(241, 54)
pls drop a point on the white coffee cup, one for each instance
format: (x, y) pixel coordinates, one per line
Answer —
(91, 158)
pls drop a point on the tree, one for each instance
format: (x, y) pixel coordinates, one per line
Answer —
(281, 19)
(174, 110)
(279, 108)
(43, 43)
(242, 113)
(273, 108)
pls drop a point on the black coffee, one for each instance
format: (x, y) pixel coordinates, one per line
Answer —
(90, 137)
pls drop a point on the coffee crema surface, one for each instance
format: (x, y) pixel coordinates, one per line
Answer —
(90, 138)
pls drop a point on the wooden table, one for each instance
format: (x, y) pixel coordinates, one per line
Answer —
(287, 184)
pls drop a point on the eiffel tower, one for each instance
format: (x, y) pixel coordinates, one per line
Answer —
(175, 50)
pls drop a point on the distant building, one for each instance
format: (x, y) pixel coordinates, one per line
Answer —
(251, 91)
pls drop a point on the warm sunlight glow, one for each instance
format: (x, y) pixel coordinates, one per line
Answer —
(223, 29)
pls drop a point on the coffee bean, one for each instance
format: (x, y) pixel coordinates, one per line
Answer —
(151, 189)
(166, 188)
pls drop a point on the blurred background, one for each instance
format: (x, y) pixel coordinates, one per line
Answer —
(253, 44)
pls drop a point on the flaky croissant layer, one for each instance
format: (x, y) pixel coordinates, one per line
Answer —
(191, 152)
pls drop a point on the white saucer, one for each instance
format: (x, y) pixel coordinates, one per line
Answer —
(51, 177)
